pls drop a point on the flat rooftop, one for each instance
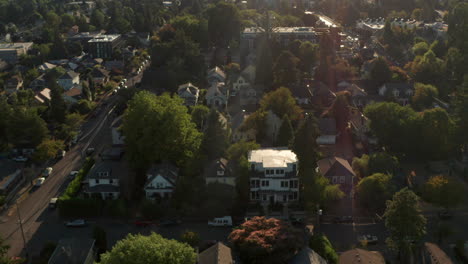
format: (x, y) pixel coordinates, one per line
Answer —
(296, 30)
(273, 157)
(104, 38)
(17, 45)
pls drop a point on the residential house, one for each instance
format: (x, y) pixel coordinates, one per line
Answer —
(250, 95)
(13, 84)
(74, 251)
(401, 92)
(273, 175)
(244, 80)
(359, 96)
(44, 67)
(39, 83)
(432, 254)
(11, 52)
(357, 255)
(118, 139)
(338, 171)
(307, 256)
(100, 75)
(69, 80)
(103, 180)
(216, 75)
(11, 178)
(73, 95)
(302, 94)
(328, 131)
(219, 171)
(237, 131)
(189, 93)
(272, 125)
(216, 254)
(91, 62)
(217, 96)
(43, 96)
(322, 96)
(161, 181)
(360, 129)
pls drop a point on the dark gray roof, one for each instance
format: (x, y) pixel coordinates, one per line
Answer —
(216, 165)
(307, 256)
(402, 87)
(72, 251)
(99, 73)
(216, 254)
(238, 119)
(167, 170)
(301, 91)
(69, 75)
(101, 167)
(327, 126)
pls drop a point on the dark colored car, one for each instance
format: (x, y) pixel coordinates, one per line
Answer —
(445, 215)
(170, 222)
(343, 219)
(144, 223)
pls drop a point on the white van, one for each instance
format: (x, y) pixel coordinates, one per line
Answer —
(221, 221)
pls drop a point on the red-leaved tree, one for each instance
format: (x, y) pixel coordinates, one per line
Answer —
(262, 240)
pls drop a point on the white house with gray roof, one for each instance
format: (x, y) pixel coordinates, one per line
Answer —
(189, 93)
(161, 181)
(273, 175)
(103, 180)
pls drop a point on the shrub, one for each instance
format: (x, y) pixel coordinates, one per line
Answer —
(320, 244)
(75, 185)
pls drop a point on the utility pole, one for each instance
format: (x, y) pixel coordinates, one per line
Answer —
(22, 231)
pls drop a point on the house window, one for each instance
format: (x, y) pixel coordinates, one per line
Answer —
(159, 185)
(284, 184)
(111, 181)
(277, 171)
(266, 183)
(97, 181)
(334, 179)
(342, 179)
(264, 197)
(295, 195)
(281, 171)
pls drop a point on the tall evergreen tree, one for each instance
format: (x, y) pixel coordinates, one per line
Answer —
(215, 140)
(286, 133)
(58, 108)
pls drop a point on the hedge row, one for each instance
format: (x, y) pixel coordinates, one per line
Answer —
(75, 185)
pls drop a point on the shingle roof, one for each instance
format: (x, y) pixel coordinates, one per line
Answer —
(72, 251)
(216, 254)
(357, 255)
(189, 87)
(307, 256)
(166, 170)
(327, 126)
(69, 75)
(97, 170)
(335, 166)
(217, 70)
(238, 119)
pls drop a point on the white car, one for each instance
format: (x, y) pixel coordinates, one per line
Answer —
(368, 239)
(47, 171)
(76, 223)
(39, 182)
(73, 174)
(20, 159)
(124, 80)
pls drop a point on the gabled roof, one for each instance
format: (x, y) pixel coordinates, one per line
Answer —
(46, 66)
(355, 90)
(218, 71)
(357, 256)
(238, 119)
(216, 165)
(43, 95)
(188, 87)
(100, 168)
(400, 86)
(73, 92)
(307, 256)
(327, 126)
(335, 166)
(166, 170)
(99, 73)
(215, 90)
(216, 254)
(72, 250)
(69, 75)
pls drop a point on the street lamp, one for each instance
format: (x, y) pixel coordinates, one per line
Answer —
(319, 214)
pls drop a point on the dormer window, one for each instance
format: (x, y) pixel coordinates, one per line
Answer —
(103, 174)
(396, 93)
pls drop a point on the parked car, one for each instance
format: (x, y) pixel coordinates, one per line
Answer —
(343, 219)
(61, 154)
(170, 222)
(20, 159)
(368, 239)
(221, 221)
(76, 223)
(89, 151)
(73, 174)
(445, 215)
(144, 223)
(297, 221)
(53, 203)
(39, 182)
(47, 172)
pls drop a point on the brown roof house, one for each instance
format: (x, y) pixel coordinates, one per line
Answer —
(432, 254)
(216, 254)
(338, 171)
(358, 256)
(219, 171)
